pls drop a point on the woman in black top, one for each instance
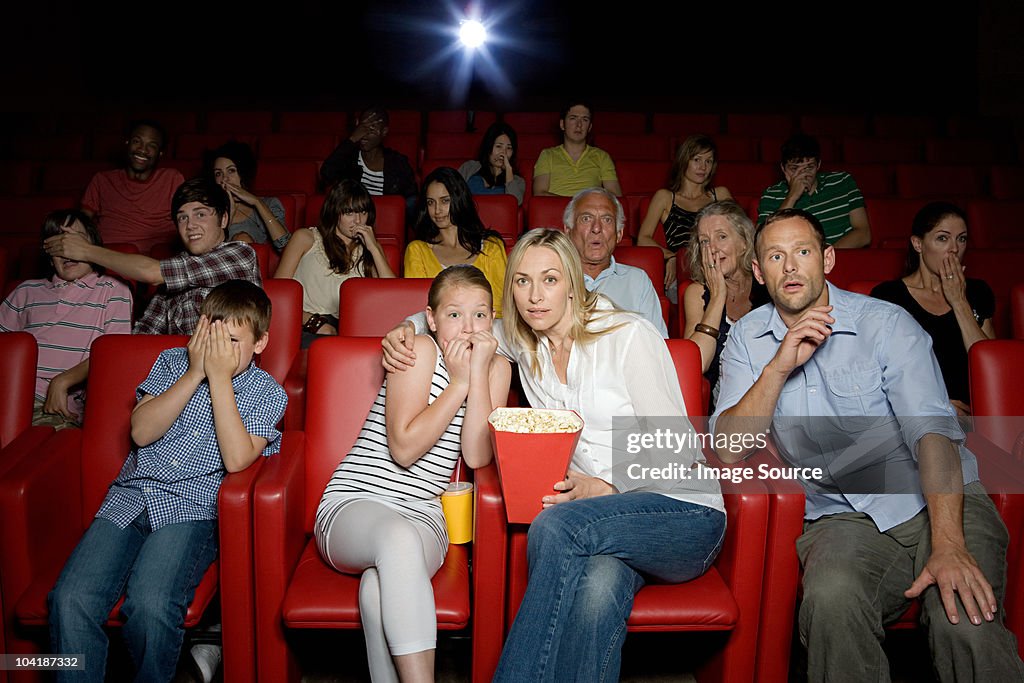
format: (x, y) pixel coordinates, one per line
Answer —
(956, 311)
(692, 188)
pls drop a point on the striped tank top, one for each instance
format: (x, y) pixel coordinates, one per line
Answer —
(369, 471)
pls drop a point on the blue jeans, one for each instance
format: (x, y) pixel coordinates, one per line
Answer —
(588, 558)
(158, 572)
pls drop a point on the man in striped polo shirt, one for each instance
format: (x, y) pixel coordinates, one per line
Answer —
(833, 198)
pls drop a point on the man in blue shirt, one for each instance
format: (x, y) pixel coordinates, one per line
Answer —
(899, 512)
(203, 411)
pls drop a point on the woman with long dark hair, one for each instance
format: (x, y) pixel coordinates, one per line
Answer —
(450, 232)
(494, 169)
(341, 246)
(955, 310)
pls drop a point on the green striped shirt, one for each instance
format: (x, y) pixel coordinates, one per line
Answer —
(836, 197)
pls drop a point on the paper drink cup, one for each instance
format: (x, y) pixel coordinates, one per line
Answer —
(457, 504)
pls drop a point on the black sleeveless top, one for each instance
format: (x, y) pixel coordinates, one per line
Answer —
(678, 223)
(758, 297)
(947, 342)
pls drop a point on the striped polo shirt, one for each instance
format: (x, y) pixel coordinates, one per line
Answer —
(65, 317)
(836, 197)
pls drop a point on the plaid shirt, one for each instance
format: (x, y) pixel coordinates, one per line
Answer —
(188, 279)
(176, 478)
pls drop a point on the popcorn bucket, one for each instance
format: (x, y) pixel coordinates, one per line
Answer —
(530, 460)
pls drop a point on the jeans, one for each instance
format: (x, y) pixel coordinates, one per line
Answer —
(158, 572)
(588, 558)
(853, 583)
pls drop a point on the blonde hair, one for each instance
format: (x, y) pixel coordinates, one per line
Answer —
(582, 303)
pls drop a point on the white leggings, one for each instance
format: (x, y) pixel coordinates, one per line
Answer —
(397, 558)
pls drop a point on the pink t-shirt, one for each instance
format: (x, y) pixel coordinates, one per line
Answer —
(134, 211)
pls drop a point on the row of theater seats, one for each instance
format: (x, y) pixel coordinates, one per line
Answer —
(272, 585)
(996, 262)
(190, 147)
(406, 121)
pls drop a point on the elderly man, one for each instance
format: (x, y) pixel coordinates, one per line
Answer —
(594, 221)
(899, 512)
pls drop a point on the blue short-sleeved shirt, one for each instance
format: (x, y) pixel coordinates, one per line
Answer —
(857, 408)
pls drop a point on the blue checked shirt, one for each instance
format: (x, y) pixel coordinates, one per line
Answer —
(857, 408)
(176, 478)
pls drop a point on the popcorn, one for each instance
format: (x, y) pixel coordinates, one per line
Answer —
(533, 421)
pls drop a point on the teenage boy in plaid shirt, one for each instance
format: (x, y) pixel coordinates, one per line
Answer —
(200, 209)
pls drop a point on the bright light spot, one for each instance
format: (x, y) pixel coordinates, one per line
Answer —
(472, 33)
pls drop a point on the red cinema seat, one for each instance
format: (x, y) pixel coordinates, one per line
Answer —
(371, 307)
(285, 326)
(905, 126)
(683, 125)
(286, 176)
(235, 122)
(430, 165)
(76, 467)
(18, 358)
(1000, 268)
(996, 377)
(891, 220)
(868, 150)
(532, 121)
(635, 146)
(315, 146)
(652, 261)
(501, 213)
(760, 125)
(333, 122)
(546, 212)
(960, 151)
(532, 144)
(17, 177)
(1017, 310)
(451, 145)
(69, 177)
(407, 144)
(400, 121)
(741, 148)
(749, 178)
(459, 121)
(948, 182)
(995, 223)
(48, 147)
(833, 125)
(873, 180)
(18, 440)
(643, 177)
(622, 122)
(866, 264)
(297, 590)
(1007, 182)
(192, 145)
(727, 598)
